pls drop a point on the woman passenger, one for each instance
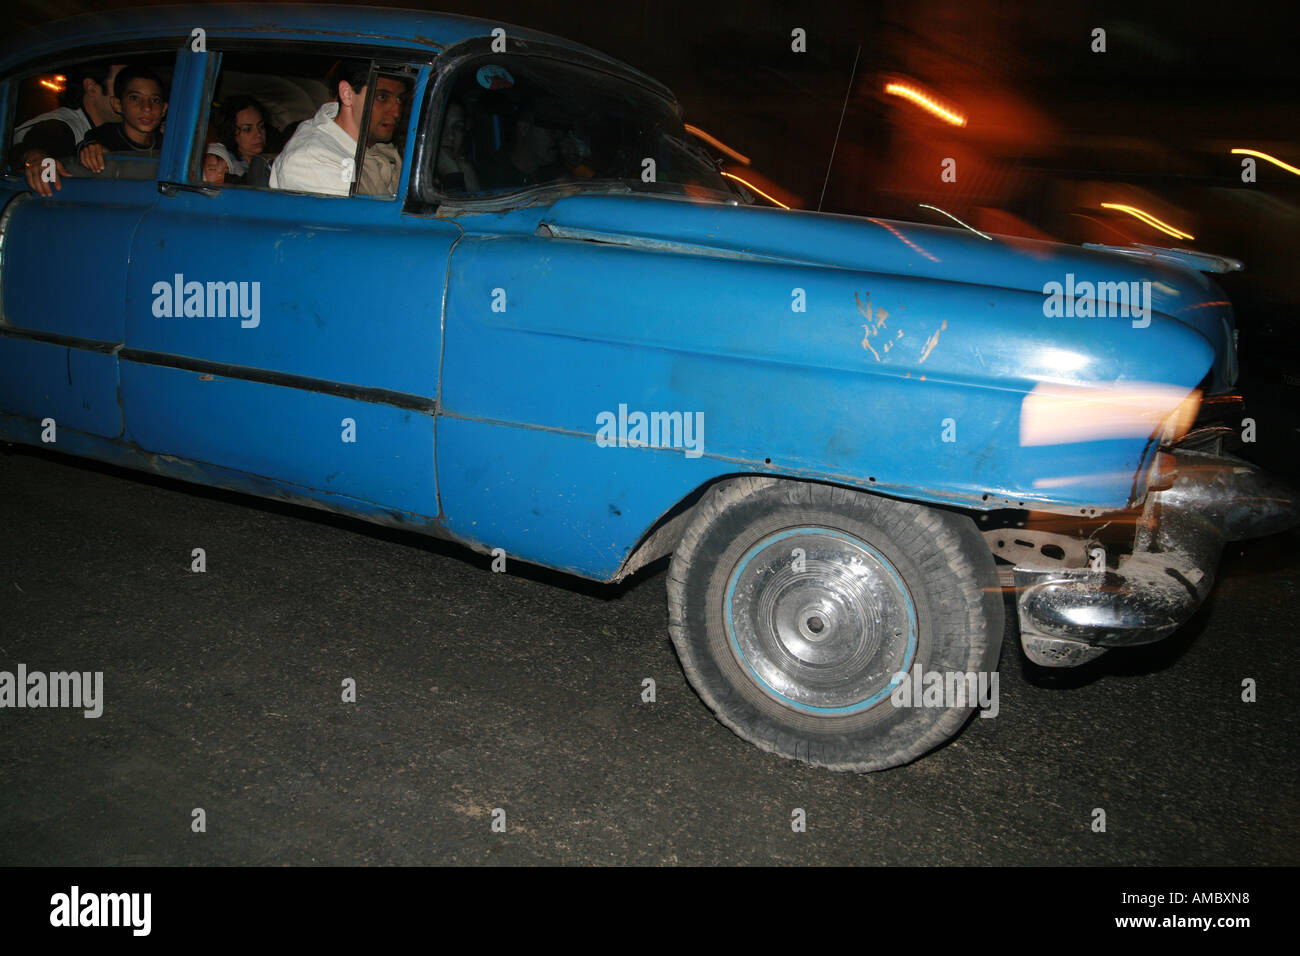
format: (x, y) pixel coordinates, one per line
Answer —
(243, 132)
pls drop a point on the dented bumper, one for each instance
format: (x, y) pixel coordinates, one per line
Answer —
(1071, 615)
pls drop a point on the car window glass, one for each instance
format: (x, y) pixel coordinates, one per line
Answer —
(515, 122)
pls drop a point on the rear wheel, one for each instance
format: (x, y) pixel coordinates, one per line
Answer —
(794, 607)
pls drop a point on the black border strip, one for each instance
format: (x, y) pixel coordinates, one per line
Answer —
(377, 396)
(361, 393)
(54, 338)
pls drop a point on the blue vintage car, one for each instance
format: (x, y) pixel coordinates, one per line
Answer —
(488, 288)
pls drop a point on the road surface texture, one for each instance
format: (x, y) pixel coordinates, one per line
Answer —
(516, 698)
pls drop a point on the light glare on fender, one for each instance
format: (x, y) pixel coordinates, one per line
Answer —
(1053, 414)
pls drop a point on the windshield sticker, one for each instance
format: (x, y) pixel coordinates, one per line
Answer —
(495, 78)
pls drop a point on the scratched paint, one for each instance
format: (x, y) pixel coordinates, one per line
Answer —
(931, 342)
(876, 320)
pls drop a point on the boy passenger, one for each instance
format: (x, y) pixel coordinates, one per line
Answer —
(142, 99)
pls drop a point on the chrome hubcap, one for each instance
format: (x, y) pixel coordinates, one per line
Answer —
(821, 620)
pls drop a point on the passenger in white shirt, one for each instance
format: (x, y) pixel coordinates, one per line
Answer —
(320, 157)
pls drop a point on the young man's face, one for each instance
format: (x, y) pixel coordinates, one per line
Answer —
(142, 107)
(386, 109)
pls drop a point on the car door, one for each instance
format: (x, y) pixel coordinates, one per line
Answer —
(553, 332)
(63, 275)
(283, 343)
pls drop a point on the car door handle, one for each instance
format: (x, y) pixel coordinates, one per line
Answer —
(171, 189)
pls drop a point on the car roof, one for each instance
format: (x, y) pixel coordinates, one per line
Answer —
(390, 28)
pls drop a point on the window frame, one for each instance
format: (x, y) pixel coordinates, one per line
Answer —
(381, 60)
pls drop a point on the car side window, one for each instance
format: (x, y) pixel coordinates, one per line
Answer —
(281, 123)
(102, 119)
(513, 122)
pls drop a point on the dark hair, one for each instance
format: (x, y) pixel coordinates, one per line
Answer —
(229, 110)
(130, 73)
(356, 73)
(74, 93)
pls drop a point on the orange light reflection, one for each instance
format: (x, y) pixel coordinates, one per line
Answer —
(904, 238)
(750, 186)
(716, 143)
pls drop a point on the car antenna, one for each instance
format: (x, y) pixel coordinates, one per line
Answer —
(843, 110)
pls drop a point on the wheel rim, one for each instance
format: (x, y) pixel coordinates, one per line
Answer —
(827, 633)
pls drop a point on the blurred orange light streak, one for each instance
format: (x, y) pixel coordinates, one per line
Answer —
(714, 141)
(926, 103)
(1149, 219)
(51, 85)
(748, 185)
(1272, 159)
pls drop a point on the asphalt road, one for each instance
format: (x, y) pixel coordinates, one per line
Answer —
(523, 691)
